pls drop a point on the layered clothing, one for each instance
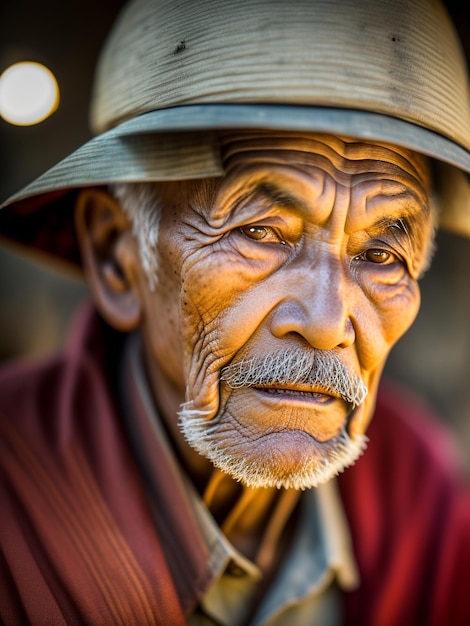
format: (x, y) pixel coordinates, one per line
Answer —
(98, 525)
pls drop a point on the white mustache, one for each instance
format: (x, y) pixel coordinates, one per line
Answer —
(316, 368)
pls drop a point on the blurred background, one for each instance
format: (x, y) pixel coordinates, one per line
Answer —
(37, 301)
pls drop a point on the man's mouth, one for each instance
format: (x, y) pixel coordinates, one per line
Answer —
(297, 394)
(290, 407)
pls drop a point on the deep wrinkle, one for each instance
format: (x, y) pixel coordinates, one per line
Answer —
(340, 158)
(412, 210)
(265, 188)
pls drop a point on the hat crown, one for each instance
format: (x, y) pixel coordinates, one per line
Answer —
(397, 57)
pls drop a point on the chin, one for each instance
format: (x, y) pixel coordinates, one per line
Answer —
(289, 459)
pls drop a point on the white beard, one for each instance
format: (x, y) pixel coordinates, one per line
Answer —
(233, 452)
(292, 459)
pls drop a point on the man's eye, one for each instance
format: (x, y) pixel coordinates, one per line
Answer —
(261, 233)
(255, 232)
(375, 255)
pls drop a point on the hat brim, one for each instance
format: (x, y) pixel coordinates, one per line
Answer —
(125, 153)
(166, 144)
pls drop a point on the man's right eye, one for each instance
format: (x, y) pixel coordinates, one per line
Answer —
(255, 232)
(261, 233)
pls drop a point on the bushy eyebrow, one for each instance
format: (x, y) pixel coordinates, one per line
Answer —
(393, 223)
(401, 228)
(408, 219)
(279, 197)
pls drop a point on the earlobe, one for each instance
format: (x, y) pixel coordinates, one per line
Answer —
(109, 257)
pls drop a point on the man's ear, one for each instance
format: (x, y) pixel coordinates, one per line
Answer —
(110, 257)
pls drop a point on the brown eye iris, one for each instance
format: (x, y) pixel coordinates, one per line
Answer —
(377, 256)
(254, 232)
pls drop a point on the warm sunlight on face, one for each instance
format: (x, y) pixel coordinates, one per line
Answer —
(281, 296)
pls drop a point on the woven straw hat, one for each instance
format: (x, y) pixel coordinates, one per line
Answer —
(172, 74)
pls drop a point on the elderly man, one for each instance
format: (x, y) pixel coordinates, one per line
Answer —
(253, 218)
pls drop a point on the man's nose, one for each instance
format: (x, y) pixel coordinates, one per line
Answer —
(316, 305)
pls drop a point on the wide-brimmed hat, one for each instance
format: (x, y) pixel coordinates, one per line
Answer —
(172, 75)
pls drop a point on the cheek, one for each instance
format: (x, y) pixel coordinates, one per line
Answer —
(162, 325)
(400, 311)
(386, 313)
(221, 310)
(393, 315)
(201, 313)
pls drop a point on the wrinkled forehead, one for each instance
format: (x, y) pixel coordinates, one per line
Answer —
(340, 157)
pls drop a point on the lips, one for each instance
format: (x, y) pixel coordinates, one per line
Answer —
(318, 396)
(289, 408)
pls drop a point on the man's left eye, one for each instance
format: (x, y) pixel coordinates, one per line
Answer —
(376, 255)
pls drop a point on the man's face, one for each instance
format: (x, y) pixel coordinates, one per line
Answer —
(281, 290)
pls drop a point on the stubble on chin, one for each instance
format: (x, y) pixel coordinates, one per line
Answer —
(278, 457)
(290, 459)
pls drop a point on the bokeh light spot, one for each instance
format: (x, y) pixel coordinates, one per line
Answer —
(28, 93)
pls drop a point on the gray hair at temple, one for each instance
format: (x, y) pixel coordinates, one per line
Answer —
(141, 203)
